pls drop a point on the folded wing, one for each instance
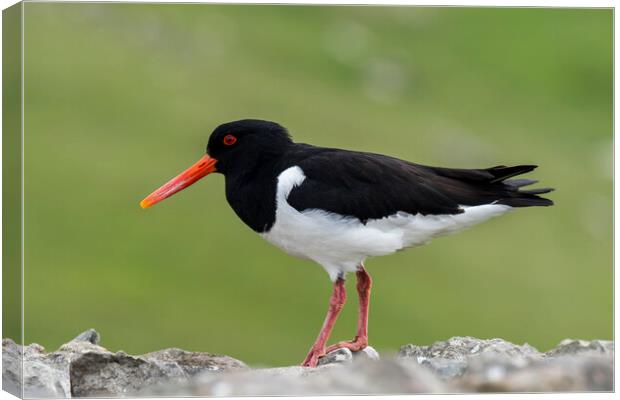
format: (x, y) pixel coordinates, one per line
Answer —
(372, 186)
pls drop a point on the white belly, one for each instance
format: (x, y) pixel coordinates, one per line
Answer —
(340, 244)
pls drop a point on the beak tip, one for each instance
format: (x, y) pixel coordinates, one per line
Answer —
(145, 204)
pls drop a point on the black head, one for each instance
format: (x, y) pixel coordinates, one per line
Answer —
(243, 144)
(234, 148)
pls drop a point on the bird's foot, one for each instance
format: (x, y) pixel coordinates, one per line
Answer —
(312, 359)
(357, 344)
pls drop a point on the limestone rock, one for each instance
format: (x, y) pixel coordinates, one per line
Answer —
(562, 374)
(345, 356)
(339, 356)
(451, 358)
(43, 375)
(90, 335)
(356, 377)
(495, 365)
(573, 347)
(368, 353)
(111, 375)
(83, 368)
(193, 363)
(11, 367)
(106, 374)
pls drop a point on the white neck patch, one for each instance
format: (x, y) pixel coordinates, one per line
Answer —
(287, 180)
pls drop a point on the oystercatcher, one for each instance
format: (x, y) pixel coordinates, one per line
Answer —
(338, 207)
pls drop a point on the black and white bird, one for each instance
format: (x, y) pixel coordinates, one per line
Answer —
(338, 207)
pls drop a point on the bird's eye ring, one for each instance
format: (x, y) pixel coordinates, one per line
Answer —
(229, 140)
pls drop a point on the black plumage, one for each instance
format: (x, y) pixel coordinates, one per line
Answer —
(350, 183)
(371, 186)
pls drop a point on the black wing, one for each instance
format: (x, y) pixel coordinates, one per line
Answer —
(371, 186)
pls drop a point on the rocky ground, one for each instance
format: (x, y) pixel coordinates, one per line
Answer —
(82, 368)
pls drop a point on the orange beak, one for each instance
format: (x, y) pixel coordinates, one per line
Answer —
(202, 168)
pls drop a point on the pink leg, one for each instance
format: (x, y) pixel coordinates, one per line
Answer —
(364, 283)
(336, 302)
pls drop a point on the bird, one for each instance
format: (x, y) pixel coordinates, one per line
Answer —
(338, 207)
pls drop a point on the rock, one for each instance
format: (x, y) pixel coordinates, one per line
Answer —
(356, 377)
(11, 367)
(451, 358)
(194, 363)
(367, 353)
(77, 347)
(339, 356)
(495, 365)
(572, 347)
(345, 356)
(104, 374)
(111, 375)
(43, 376)
(83, 368)
(562, 374)
(91, 336)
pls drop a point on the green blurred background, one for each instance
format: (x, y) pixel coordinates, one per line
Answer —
(119, 98)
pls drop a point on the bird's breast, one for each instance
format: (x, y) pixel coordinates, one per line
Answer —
(253, 201)
(338, 243)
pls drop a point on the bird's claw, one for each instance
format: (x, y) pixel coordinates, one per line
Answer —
(312, 359)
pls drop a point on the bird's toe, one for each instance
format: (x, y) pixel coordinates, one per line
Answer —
(357, 344)
(312, 359)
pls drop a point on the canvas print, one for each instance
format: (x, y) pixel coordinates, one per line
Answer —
(267, 200)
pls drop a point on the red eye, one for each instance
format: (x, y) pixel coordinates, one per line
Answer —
(229, 140)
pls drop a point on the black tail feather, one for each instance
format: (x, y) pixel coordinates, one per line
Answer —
(525, 201)
(537, 191)
(517, 183)
(501, 172)
(483, 186)
(516, 197)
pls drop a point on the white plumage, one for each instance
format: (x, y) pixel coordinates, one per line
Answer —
(340, 243)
